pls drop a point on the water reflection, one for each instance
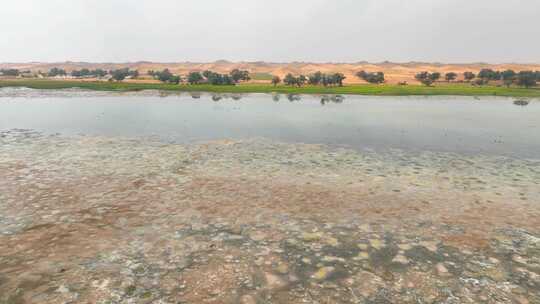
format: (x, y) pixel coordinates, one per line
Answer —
(521, 102)
(236, 96)
(195, 95)
(220, 96)
(294, 97)
(332, 98)
(434, 123)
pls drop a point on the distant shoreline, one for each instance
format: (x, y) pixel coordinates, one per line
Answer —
(357, 89)
(394, 72)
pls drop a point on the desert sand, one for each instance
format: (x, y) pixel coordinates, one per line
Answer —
(395, 72)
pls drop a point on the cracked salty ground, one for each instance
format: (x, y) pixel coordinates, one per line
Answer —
(110, 220)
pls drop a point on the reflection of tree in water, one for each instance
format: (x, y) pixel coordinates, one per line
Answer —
(164, 94)
(332, 98)
(293, 97)
(218, 97)
(521, 102)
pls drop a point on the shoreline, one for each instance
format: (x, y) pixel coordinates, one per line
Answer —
(363, 89)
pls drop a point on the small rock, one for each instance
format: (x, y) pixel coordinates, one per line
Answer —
(274, 282)
(282, 268)
(323, 273)
(362, 255)
(363, 247)
(431, 246)
(404, 246)
(441, 269)
(248, 299)
(331, 241)
(519, 259)
(62, 289)
(311, 237)
(333, 259)
(376, 243)
(258, 236)
(401, 259)
(494, 260)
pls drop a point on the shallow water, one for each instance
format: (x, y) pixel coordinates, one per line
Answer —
(434, 203)
(487, 125)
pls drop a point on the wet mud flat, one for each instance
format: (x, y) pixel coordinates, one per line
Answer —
(112, 220)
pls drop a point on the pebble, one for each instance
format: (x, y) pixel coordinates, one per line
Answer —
(323, 273)
(441, 269)
(274, 282)
(248, 299)
(376, 243)
(400, 259)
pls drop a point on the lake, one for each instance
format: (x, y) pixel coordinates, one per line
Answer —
(153, 197)
(487, 125)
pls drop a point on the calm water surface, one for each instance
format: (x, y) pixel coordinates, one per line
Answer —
(487, 125)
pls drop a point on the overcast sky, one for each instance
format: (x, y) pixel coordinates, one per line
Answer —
(492, 31)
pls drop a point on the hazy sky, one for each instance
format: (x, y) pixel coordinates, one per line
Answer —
(276, 30)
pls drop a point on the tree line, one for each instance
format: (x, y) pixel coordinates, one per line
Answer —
(317, 78)
(508, 77)
(10, 72)
(377, 77)
(484, 77)
(209, 77)
(118, 74)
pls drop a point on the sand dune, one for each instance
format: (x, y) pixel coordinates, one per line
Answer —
(395, 72)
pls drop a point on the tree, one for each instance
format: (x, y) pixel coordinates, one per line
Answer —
(119, 74)
(164, 76)
(508, 77)
(315, 78)
(276, 80)
(218, 79)
(207, 74)
(175, 79)
(338, 78)
(10, 72)
(134, 73)
(290, 80)
(489, 74)
(81, 73)
(56, 72)
(526, 79)
(227, 80)
(194, 78)
(425, 78)
(451, 76)
(435, 76)
(99, 73)
(239, 75)
(469, 76)
(377, 77)
(301, 80)
(88, 73)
